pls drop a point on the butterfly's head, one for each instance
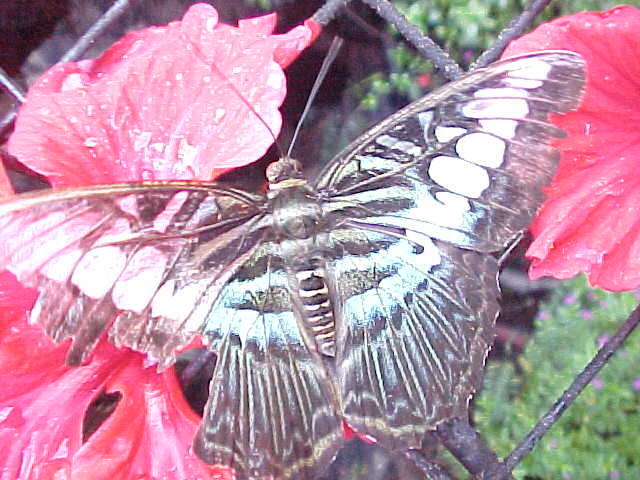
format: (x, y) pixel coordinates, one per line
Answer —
(285, 173)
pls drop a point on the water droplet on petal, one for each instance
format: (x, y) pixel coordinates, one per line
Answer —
(210, 24)
(91, 142)
(142, 141)
(147, 175)
(219, 115)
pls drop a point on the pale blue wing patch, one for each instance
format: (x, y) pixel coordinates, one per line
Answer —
(271, 411)
(415, 327)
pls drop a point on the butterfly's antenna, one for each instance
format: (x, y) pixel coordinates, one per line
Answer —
(324, 69)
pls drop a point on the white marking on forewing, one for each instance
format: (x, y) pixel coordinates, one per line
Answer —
(501, 128)
(175, 300)
(371, 162)
(508, 108)
(98, 269)
(505, 92)
(459, 176)
(425, 119)
(162, 221)
(405, 146)
(532, 68)
(454, 202)
(445, 134)
(482, 149)
(522, 83)
(61, 266)
(140, 280)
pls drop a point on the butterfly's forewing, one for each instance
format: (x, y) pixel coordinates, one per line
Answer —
(435, 188)
(473, 155)
(146, 259)
(271, 411)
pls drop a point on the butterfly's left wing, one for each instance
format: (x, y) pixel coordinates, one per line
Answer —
(141, 260)
(422, 205)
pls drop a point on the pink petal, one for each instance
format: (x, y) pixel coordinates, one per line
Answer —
(156, 105)
(590, 221)
(149, 434)
(162, 103)
(43, 403)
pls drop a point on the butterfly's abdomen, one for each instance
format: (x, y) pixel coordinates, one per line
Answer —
(317, 308)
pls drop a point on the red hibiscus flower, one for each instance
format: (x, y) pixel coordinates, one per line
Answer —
(162, 103)
(590, 222)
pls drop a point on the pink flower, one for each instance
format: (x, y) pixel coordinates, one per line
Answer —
(157, 105)
(591, 220)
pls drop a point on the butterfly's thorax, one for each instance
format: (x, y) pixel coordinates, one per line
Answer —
(300, 232)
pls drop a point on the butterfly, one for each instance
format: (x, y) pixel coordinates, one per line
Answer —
(366, 296)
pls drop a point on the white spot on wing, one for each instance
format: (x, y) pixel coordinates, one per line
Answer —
(425, 119)
(371, 162)
(174, 301)
(98, 270)
(407, 147)
(501, 128)
(510, 93)
(522, 83)
(532, 68)
(430, 255)
(482, 149)
(498, 109)
(140, 280)
(459, 176)
(59, 268)
(454, 202)
(508, 108)
(446, 134)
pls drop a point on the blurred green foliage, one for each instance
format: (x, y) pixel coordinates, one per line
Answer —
(598, 436)
(465, 29)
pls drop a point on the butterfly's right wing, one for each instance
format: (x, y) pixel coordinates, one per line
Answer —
(142, 260)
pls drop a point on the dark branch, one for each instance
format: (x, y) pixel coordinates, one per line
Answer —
(427, 47)
(328, 11)
(118, 8)
(101, 25)
(567, 398)
(11, 87)
(516, 27)
(468, 447)
(429, 469)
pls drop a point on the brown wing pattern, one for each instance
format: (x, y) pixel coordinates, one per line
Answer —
(417, 322)
(272, 412)
(145, 258)
(467, 163)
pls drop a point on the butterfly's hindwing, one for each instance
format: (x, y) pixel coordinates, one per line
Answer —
(465, 164)
(416, 325)
(272, 411)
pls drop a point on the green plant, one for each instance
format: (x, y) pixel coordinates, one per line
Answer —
(597, 438)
